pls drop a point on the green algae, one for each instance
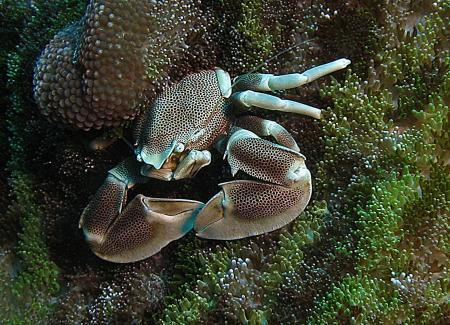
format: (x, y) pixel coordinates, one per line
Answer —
(385, 253)
(260, 40)
(209, 289)
(31, 290)
(387, 166)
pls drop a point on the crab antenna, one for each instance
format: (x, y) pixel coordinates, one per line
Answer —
(121, 137)
(280, 53)
(127, 143)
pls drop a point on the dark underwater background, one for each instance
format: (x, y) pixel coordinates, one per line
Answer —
(372, 246)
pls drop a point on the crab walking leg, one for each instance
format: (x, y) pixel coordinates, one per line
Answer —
(139, 230)
(266, 128)
(248, 208)
(269, 82)
(251, 98)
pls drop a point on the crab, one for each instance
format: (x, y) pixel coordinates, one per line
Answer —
(173, 140)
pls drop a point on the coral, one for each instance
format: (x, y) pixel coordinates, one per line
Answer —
(356, 38)
(238, 283)
(113, 303)
(4, 195)
(365, 154)
(372, 247)
(380, 291)
(248, 33)
(97, 71)
(37, 273)
(11, 21)
(104, 298)
(259, 39)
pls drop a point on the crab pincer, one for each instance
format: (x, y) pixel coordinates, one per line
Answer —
(246, 208)
(139, 230)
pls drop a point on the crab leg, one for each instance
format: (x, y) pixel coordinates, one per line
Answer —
(140, 229)
(249, 98)
(266, 128)
(248, 208)
(269, 82)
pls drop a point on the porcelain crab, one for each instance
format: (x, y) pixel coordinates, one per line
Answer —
(172, 141)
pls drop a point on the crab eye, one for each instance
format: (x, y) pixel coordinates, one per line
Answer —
(179, 147)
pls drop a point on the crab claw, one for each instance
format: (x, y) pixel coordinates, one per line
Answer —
(249, 208)
(139, 230)
(143, 228)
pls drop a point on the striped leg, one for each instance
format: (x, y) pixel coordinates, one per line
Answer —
(248, 88)
(269, 82)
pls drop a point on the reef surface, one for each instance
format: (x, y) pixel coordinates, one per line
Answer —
(371, 248)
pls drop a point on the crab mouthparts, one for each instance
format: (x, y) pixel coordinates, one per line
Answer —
(157, 160)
